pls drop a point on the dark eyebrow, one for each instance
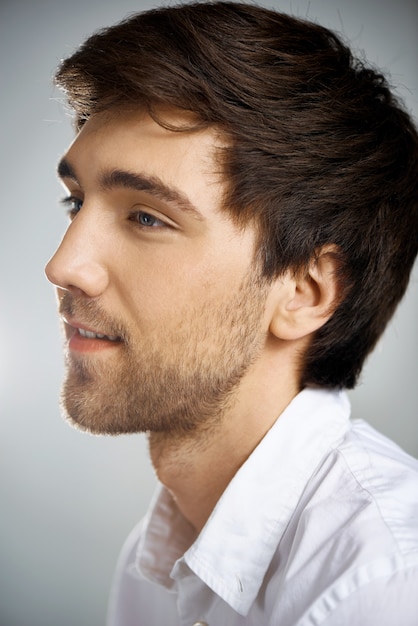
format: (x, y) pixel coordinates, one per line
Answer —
(65, 170)
(150, 184)
(137, 182)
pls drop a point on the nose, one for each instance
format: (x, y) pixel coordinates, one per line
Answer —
(79, 264)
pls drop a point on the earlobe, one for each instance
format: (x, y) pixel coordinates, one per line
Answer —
(306, 300)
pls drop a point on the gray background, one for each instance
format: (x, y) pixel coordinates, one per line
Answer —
(68, 499)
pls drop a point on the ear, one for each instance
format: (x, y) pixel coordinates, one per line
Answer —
(306, 300)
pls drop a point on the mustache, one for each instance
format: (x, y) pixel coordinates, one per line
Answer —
(92, 314)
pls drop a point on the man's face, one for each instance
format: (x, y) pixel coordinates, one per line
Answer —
(163, 307)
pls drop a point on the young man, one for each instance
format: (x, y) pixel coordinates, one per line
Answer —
(244, 217)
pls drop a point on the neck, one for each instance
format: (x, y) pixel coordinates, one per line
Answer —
(197, 468)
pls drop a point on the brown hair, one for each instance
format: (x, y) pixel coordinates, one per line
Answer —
(320, 150)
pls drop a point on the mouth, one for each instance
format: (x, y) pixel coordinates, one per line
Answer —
(89, 334)
(85, 340)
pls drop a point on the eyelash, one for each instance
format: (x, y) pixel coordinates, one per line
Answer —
(74, 205)
(70, 202)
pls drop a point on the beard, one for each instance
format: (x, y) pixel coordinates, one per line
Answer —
(173, 381)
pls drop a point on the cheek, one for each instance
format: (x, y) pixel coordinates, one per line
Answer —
(159, 285)
(176, 305)
(156, 295)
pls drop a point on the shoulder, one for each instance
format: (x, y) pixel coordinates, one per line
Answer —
(351, 549)
(388, 597)
(382, 475)
(364, 500)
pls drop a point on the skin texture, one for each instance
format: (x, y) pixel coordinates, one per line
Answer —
(203, 354)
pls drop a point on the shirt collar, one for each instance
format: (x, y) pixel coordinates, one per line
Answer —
(255, 509)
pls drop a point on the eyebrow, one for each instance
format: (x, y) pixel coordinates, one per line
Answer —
(125, 179)
(65, 170)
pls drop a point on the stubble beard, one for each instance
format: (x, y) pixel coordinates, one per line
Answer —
(173, 384)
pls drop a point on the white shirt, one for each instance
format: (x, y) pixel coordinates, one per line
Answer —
(319, 526)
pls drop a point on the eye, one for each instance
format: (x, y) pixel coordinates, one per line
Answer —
(147, 220)
(73, 205)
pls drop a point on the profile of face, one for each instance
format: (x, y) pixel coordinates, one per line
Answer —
(162, 306)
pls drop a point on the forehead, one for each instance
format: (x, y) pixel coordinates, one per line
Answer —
(133, 139)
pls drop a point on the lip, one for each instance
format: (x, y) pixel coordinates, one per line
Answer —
(79, 343)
